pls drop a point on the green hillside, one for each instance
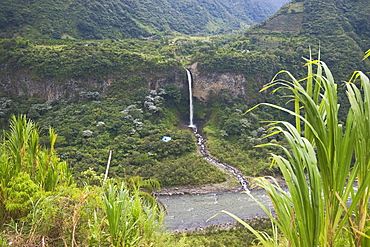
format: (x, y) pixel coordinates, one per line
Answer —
(41, 78)
(339, 28)
(128, 19)
(323, 18)
(109, 77)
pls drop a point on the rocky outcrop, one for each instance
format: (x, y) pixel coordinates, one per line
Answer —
(23, 85)
(174, 76)
(207, 85)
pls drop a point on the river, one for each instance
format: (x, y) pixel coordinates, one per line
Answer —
(187, 212)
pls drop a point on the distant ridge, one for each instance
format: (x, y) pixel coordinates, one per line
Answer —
(322, 18)
(102, 19)
(339, 28)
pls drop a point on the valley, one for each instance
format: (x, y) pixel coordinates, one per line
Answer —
(180, 93)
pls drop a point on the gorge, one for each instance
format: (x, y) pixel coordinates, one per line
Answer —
(109, 75)
(202, 148)
(190, 212)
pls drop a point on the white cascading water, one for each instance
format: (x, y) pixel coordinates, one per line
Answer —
(190, 81)
(201, 142)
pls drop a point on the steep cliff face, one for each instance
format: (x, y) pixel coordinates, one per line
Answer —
(22, 84)
(207, 85)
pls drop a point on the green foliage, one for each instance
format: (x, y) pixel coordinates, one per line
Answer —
(185, 170)
(232, 135)
(27, 168)
(63, 60)
(250, 162)
(130, 222)
(227, 61)
(173, 93)
(233, 236)
(18, 195)
(32, 213)
(340, 27)
(145, 188)
(25, 154)
(127, 19)
(323, 165)
(133, 129)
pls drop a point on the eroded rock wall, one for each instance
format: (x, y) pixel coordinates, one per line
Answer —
(207, 85)
(23, 84)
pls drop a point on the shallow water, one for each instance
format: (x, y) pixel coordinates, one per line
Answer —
(187, 212)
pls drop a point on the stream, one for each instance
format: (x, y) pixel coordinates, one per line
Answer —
(202, 141)
(188, 212)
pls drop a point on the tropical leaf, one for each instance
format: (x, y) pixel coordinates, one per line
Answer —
(320, 203)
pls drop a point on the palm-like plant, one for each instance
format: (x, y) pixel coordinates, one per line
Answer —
(22, 153)
(360, 109)
(322, 206)
(131, 222)
(146, 189)
(25, 154)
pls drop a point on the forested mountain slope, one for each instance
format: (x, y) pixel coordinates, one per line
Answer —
(339, 28)
(107, 78)
(323, 18)
(99, 19)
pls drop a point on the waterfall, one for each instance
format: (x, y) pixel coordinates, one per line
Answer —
(201, 142)
(190, 81)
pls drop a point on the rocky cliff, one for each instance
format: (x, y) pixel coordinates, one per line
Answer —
(207, 85)
(23, 84)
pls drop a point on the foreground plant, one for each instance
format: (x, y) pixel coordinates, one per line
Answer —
(27, 167)
(41, 206)
(131, 222)
(367, 54)
(326, 166)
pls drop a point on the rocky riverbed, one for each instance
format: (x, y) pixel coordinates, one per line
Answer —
(197, 190)
(230, 185)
